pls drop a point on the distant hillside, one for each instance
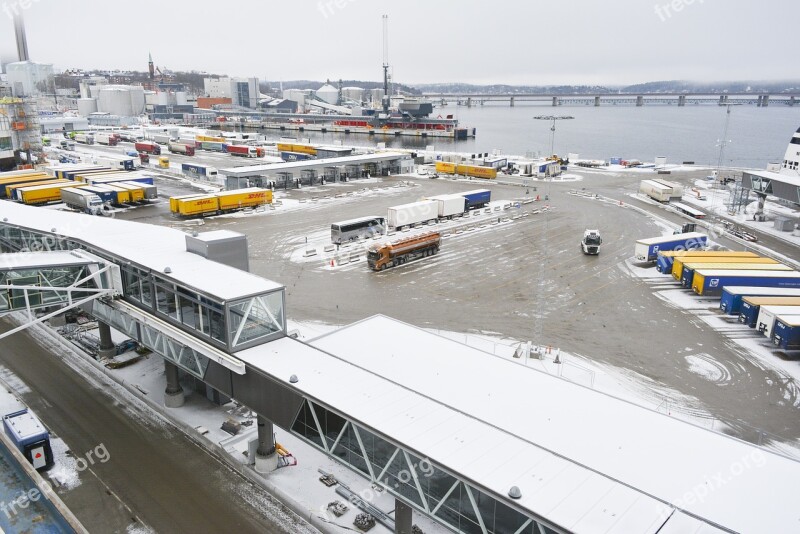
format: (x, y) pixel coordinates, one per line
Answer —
(309, 84)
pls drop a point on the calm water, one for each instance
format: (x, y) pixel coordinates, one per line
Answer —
(756, 136)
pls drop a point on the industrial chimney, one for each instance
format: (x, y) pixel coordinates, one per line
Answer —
(19, 31)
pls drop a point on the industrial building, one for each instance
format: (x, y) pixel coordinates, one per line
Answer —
(243, 92)
(28, 78)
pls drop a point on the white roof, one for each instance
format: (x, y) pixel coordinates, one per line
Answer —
(253, 170)
(747, 272)
(24, 425)
(671, 238)
(778, 177)
(759, 291)
(588, 462)
(216, 235)
(36, 260)
(150, 246)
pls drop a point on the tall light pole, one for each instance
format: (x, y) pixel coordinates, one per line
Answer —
(553, 127)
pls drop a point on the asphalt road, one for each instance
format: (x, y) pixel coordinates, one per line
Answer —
(524, 278)
(165, 480)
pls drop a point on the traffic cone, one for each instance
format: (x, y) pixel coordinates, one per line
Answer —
(332, 263)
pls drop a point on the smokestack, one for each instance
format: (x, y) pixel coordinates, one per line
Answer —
(19, 31)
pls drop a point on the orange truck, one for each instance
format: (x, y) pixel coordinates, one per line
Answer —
(382, 256)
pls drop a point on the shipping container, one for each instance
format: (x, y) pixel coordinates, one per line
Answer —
(786, 333)
(68, 171)
(244, 198)
(196, 205)
(133, 177)
(768, 314)
(732, 296)
(30, 437)
(209, 138)
(445, 167)
(410, 214)
(679, 262)
(42, 194)
(646, 250)
(710, 283)
(212, 204)
(655, 190)
(476, 171)
(687, 276)
(84, 138)
(450, 205)
(174, 202)
(477, 198)
(676, 189)
(752, 305)
(666, 258)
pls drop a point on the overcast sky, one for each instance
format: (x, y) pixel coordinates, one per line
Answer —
(478, 41)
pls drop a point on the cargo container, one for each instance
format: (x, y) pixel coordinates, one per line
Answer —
(732, 296)
(161, 139)
(752, 305)
(477, 171)
(413, 213)
(655, 190)
(12, 181)
(147, 147)
(244, 151)
(12, 191)
(768, 314)
(193, 206)
(150, 191)
(105, 194)
(243, 198)
(174, 202)
(687, 276)
(646, 250)
(382, 256)
(30, 437)
(450, 205)
(295, 156)
(83, 200)
(212, 146)
(199, 171)
(786, 333)
(710, 283)
(676, 189)
(42, 194)
(136, 190)
(209, 138)
(104, 138)
(666, 258)
(445, 167)
(297, 147)
(84, 138)
(477, 198)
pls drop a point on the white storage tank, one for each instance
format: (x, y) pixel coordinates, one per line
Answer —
(328, 93)
(115, 100)
(163, 98)
(355, 94)
(86, 106)
(180, 98)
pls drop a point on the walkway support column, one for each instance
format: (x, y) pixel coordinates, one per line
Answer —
(173, 395)
(597, 101)
(639, 101)
(555, 101)
(107, 348)
(266, 457)
(402, 517)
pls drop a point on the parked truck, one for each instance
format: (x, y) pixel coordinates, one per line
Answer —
(410, 214)
(766, 265)
(105, 138)
(767, 316)
(751, 306)
(216, 203)
(161, 139)
(733, 296)
(82, 200)
(244, 151)
(147, 147)
(646, 250)
(450, 205)
(199, 171)
(84, 138)
(591, 241)
(180, 148)
(477, 198)
(667, 258)
(382, 256)
(710, 283)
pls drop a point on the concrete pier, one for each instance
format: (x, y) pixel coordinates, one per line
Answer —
(765, 101)
(173, 395)
(681, 100)
(639, 101)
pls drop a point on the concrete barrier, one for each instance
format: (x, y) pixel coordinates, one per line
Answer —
(342, 259)
(329, 248)
(354, 256)
(310, 252)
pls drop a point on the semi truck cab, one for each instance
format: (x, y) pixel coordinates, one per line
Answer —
(590, 244)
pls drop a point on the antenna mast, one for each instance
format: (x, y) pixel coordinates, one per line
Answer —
(385, 63)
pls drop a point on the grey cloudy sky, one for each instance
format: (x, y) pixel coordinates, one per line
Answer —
(479, 41)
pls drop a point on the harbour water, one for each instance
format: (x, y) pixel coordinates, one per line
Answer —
(756, 136)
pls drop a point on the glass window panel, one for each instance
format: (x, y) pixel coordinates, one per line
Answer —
(256, 318)
(166, 302)
(449, 511)
(331, 426)
(189, 313)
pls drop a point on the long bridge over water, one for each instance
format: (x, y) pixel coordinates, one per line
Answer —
(597, 99)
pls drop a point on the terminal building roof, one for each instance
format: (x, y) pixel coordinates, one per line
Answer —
(254, 170)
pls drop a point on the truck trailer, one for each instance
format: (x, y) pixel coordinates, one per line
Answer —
(161, 139)
(666, 258)
(84, 138)
(199, 171)
(751, 306)
(767, 316)
(710, 283)
(43, 194)
(216, 203)
(646, 250)
(80, 199)
(382, 256)
(180, 148)
(450, 205)
(410, 214)
(786, 333)
(147, 147)
(245, 151)
(733, 296)
(105, 138)
(687, 277)
(477, 198)
(679, 263)
(655, 190)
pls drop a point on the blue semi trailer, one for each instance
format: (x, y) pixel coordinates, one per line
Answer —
(733, 296)
(786, 333)
(646, 250)
(199, 171)
(477, 198)
(709, 283)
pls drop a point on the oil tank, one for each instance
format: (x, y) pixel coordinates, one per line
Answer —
(355, 94)
(180, 98)
(86, 106)
(328, 93)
